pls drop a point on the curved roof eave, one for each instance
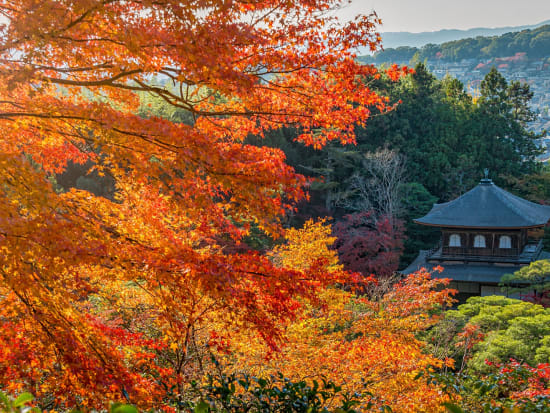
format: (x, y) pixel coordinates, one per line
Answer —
(487, 206)
(476, 227)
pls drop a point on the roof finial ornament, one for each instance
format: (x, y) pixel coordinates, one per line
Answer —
(486, 179)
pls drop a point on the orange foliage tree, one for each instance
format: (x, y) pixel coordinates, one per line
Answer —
(92, 290)
(368, 345)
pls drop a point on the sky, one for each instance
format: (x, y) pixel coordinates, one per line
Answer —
(431, 15)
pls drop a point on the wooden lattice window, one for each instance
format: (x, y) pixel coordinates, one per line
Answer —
(454, 240)
(479, 241)
(505, 241)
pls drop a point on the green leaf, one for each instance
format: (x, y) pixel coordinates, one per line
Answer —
(114, 406)
(5, 401)
(123, 408)
(453, 408)
(22, 399)
(202, 407)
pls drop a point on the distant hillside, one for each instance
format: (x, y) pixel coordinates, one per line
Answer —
(531, 43)
(397, 39)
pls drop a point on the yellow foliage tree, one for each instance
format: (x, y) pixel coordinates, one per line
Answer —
(367, 345)
(305, 246)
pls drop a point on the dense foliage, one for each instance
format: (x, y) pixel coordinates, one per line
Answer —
(431, 148)
(494, 329)
(511, 387)
(533, 281)
(340, 336)
(237, 393)
(500, 353)
(535, 43)
(449, 138)
(120, 294)
(133, 233)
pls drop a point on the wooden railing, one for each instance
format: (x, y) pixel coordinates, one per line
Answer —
(483, 252)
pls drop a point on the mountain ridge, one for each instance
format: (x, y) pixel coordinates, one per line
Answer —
(419, 39)
(516, 45)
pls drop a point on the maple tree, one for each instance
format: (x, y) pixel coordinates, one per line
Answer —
(75, 269)
(368, 244)
(306, 246)
(367, 345)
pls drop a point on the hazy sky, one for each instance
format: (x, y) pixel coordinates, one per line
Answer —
(429, 15)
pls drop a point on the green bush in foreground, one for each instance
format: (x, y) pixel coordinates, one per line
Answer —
(235, 394)
(506, 329)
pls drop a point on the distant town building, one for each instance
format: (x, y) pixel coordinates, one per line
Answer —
(486, 233)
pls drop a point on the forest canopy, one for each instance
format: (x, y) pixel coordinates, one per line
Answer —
(535, 43)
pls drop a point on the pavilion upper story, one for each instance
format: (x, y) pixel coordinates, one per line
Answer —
(488, 224)
(485, 233)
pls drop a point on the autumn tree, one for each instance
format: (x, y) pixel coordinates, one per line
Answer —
(369, 346)
(513, 386)
(306, 247)
(72, 74)
(369, 244)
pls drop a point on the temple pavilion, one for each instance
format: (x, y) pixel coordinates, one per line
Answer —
(485, 233)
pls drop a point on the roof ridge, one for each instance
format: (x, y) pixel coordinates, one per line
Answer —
(504, 196)
(520, 201)
(487, 206)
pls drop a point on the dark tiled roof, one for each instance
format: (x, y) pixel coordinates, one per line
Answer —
(487, 206)
(474, 272)
(471, 272)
